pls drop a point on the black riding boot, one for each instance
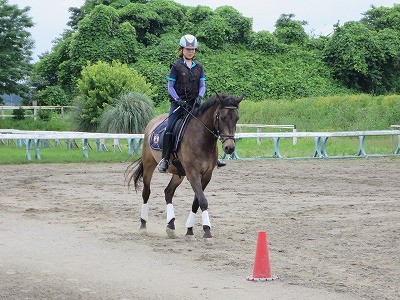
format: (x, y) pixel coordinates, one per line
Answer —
(166, 150)
(221, 163)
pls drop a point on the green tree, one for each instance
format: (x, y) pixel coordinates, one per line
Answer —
(289, 31)
(100, 85)
(239, 28)
(52, 95)
(213, 32)
(142, 18)
(364, 59)
(265, 42)
(379, 18)
(100, 37)
(48, 70)
(15, 47)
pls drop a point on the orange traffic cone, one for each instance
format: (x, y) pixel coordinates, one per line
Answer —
(262, 267)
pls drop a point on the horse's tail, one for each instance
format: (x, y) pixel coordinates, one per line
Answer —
(134, 172)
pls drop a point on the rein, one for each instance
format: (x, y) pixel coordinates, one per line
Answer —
(205, 126)
(222, 137)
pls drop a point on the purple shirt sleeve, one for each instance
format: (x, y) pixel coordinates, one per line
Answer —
(171, 89)
(202, 89)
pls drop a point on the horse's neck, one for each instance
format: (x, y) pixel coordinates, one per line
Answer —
(204, 127)
(208, 117)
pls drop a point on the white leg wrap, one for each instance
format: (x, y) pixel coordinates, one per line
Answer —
(191, 220)
(170, 212)
(145, 212)
(205, 218)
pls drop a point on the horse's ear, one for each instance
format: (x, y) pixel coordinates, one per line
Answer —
(219, 99)
(237, 101)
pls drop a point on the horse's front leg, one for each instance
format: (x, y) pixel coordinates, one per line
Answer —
(191, 220)
(198, 184)
(169, 194)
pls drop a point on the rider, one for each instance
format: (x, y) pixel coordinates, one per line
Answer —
(186, 88)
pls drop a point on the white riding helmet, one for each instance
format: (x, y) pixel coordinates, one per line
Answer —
(188, 41)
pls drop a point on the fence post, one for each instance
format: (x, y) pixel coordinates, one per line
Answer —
(117, 145)
(394, 127)
(397, 151)
(258, 139)
(85, 148)
(361, 150)
(276, 147)
(28, 149)
(295, 137)
(317, 152)
(37, 149)
(34, 104)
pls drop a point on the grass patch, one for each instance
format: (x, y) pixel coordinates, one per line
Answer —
(306, 147)
(11, 153)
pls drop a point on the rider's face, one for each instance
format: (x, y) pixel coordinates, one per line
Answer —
(189, 53)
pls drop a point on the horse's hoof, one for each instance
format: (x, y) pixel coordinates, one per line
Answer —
(208, 241)
(142, 231)
(170, 233)
(190, 237)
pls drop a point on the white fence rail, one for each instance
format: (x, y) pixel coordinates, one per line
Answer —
(321, 140)
(32, 140)
(34, 108)
(260, 127)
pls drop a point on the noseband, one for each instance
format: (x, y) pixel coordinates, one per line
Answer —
(223, 137)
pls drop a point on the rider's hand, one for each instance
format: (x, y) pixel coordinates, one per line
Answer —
(180, 102)
(197, 102)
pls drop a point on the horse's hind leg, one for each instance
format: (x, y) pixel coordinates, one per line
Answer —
(169, 194)
(147, 175)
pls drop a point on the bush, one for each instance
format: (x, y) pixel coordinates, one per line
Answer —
(99, 87)
(19, 114)
(130, 114)
(45, 115)
(52, 96)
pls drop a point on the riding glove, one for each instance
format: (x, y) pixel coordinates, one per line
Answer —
(197, 102)
(180, 102)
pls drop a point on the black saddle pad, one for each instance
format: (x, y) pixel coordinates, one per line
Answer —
(157, 136)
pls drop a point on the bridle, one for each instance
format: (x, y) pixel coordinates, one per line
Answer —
(223, 137)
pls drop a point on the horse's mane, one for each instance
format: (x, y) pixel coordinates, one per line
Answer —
(225, 100)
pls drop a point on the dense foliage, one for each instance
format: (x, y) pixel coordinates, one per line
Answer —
(100, 85)
(15, 47)
(286, 64)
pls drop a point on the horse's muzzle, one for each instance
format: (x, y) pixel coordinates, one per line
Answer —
(228, 146)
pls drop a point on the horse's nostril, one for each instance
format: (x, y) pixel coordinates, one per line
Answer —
(229, 149)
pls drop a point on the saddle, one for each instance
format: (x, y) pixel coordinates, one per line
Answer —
(157, 137)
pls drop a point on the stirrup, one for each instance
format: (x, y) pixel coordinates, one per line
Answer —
(163, 166)
(221, 163)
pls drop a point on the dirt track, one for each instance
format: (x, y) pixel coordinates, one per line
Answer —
(70, 231)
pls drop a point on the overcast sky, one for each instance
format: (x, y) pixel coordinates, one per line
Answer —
(51, 16)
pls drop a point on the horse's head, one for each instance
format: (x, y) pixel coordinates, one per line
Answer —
(226, 117)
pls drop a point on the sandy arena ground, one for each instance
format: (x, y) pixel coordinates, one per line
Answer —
(70, 231)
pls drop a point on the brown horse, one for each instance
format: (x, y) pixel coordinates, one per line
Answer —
(198, 153)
